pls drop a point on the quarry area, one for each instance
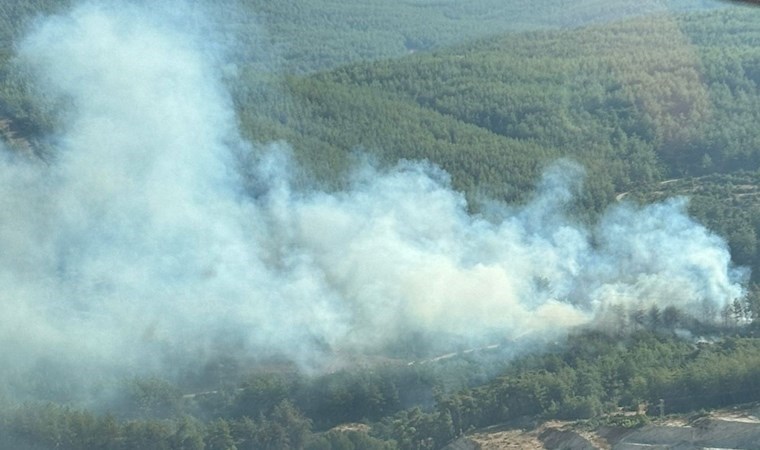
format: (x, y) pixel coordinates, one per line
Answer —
(734, 428)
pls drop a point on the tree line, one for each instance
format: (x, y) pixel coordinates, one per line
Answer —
(646, 357)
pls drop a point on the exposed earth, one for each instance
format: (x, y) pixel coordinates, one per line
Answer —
(735, 428)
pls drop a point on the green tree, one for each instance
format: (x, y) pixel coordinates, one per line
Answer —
(218, 436)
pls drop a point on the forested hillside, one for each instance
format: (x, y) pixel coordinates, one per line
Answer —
(635, 102)
(653, 100)
(316, 35)
(300, 36)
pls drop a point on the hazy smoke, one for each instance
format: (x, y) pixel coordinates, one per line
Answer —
(138, 241)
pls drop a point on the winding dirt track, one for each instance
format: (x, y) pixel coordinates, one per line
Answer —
(619, 197)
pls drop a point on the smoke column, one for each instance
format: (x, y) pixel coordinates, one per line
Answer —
(138, 244)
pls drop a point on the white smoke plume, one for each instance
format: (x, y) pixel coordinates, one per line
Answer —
(138, 242)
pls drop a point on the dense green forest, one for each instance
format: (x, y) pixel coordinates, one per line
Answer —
(652, 105)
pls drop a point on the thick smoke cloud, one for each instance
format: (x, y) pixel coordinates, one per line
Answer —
(139, 244)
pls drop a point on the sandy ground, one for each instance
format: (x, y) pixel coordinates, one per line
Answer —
(507, 439)
(714, 427)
